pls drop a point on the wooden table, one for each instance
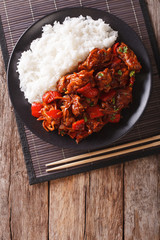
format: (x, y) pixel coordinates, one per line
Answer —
(113, 203)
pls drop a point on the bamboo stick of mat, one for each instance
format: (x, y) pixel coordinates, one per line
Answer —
(86, 155)
(114, 154)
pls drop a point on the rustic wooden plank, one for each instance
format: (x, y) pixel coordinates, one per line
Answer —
(23, 208)
(87, 206)
(5, 156)
(142, 180)
(154, 10)
(67, 207)
(104, 208)
(142, 199)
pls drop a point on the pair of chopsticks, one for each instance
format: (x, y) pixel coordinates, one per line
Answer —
(111, 152)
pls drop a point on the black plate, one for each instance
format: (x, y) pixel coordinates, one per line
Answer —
(111, 132)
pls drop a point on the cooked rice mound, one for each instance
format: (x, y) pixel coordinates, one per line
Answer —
(58, 52)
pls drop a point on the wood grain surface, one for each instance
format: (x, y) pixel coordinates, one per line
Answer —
(113, 203)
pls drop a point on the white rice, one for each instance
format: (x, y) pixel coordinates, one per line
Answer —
(58, 52)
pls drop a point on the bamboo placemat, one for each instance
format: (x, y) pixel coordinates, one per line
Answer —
(16, 16)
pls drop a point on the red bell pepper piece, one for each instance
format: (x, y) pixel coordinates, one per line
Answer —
(114, 118)
(50, 96)
(55, 113)
(107, 96)
(115, 48)
(36, 109)
(78, 125)
(88, 91)
(94, 112)
(85, 88)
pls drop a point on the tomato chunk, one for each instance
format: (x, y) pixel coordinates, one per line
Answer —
(78, 125)
(55, 113)
(114, 118)
(94, 112)
(50, 96)
(107, 96)
(88, 91)
(36, 109)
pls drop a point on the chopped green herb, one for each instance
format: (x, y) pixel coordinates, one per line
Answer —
(98, 119)
(112, 117)
(125, 48)
(120, 72)
(85, 119)
(100, 74)
(107, 85)
(88, 100)
(113, 100)
(64, 89)
(132, 73)
(116, 108)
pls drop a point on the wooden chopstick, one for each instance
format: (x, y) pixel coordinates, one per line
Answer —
(89, 160)
(87, 155)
